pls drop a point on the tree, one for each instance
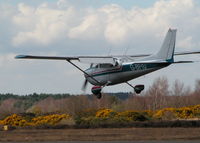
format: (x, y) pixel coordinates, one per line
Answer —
(158, 92)
(197, 86)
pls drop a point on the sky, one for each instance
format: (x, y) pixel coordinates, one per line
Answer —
(91, 27)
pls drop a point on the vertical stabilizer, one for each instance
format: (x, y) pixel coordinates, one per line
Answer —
(167, 50)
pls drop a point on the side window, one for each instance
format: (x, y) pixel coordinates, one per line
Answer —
(105, 65)
(110, 65)
(97, 66)
(116, 63)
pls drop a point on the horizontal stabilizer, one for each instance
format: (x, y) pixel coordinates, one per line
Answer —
(186, 53)
(183, 62)
(163, 62)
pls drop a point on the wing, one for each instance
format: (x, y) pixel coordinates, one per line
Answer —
(98, 59)
(45, 57)
(83, 59)
(86, 59)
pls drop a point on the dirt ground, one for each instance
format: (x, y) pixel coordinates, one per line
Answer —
(111, 134)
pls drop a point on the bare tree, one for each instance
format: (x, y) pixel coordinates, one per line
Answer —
(158, 92)
(197, 86)
(8, 107)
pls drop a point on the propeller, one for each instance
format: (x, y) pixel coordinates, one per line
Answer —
(86, 81)
(85, 85)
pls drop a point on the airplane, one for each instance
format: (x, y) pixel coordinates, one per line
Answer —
(112, 70)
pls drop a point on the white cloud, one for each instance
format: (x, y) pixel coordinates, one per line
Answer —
(45, 24)
(63, 4)
(42, 25)
(6, 11)
(90, 28)
(186, 43)
(117, 23)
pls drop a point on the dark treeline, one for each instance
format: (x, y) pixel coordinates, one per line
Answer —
(158, 96)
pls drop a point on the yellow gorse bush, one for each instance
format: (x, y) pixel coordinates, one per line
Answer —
(189, 112)
(166, 113)
(126, 115)
(161, 113)
(50, 119)
(104, 113)
(180, 113)
(16, 120)
(149, 113)
(130, 115)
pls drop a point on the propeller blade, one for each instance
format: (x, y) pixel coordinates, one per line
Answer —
(86, 81)
(84, 85)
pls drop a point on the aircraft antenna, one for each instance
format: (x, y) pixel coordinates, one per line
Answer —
(109, 51)
(126, 50)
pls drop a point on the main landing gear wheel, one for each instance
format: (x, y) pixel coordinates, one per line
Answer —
(138, 88)
(96, 90)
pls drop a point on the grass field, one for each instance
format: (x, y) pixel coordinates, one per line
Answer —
(111, 134)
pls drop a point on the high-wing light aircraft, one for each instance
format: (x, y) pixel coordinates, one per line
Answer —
(111, 70)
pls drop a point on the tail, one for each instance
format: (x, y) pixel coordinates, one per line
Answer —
(167, 50)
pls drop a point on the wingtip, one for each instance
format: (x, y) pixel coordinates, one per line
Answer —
(20, 56)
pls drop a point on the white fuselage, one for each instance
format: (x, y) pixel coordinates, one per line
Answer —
(109, 75)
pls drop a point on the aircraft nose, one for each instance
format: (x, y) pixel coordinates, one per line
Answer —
(87, 72)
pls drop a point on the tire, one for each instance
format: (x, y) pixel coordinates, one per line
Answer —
(99, 96)
(138, 88)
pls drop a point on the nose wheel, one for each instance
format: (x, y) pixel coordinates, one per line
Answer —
(99, 96)
(96, 90)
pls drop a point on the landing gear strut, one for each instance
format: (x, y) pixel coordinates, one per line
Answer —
(96, 90)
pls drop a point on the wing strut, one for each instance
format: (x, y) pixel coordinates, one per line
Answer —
(130, 85)
(83, 71)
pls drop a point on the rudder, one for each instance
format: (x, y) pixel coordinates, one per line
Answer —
(167, 50)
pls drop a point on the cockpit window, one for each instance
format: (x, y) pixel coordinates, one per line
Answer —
(105, 65)
(96, 66)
